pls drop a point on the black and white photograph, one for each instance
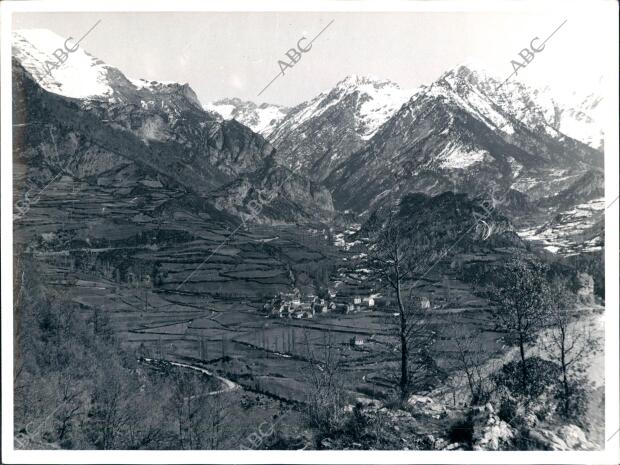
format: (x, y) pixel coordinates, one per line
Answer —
(331, 232)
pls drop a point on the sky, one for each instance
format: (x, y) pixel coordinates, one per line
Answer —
(222, 54)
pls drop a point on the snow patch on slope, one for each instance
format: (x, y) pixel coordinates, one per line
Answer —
(563, 234)
(225, 111)
(455, 157)
(376, 102)
(80, 76)
(475, 102)
(267, 118)
(149, 85)
(261, 118)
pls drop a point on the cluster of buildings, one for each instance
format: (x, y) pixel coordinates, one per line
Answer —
(295, 305)
(292, 305)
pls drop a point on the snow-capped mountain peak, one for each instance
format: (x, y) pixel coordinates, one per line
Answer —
(80, 75)
(540, 109)
(320, 133)
(373, 101)
(377, 100)
(77, 74)
(473, 91)
(580, 114)
(261, 118)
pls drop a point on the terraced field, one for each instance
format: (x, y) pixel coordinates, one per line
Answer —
(187, 287)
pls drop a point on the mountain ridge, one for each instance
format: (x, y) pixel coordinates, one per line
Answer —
(451, 136)
(357, 146)
(161, 127)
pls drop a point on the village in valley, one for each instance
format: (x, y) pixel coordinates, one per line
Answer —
(297, 305)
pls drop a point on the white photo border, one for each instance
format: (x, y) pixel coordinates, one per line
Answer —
(611, 454)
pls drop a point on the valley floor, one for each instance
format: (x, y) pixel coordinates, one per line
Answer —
(187, 292)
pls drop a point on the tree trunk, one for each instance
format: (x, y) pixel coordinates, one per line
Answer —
(404, 375)
(472, 389)
(523, 367)
(404, 351)
(564, 372)
(566, 391)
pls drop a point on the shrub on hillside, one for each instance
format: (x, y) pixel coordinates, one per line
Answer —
(577, 400)
(541, 374)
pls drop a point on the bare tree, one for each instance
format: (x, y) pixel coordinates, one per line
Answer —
(107, 413)
(70, 406)
(400, 259)
(471, 358)
(326, 397)
(199, 413)
(570, 340)
(523, 296)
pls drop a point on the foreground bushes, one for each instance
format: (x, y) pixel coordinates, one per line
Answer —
(541, 374)
(76, 388)
(544, 394)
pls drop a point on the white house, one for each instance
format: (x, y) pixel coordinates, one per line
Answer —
(357, 341)
(370, 301)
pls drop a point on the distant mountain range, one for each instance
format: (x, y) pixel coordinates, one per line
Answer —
(362, 145)
(358, 106)
(454, 135)
(262, 118)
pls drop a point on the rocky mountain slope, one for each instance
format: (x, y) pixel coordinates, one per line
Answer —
(451, 135)
(571, 221)
(274, 194)
(118, 127)
(318, 134)
(557, 114)
(448, 219)
(588, 186)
